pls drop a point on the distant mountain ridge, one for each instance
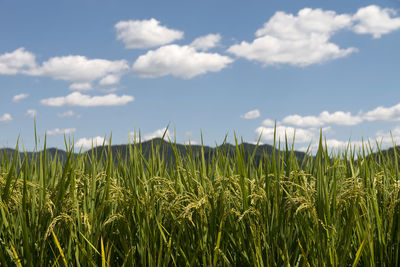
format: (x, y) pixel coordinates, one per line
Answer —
(165, 147)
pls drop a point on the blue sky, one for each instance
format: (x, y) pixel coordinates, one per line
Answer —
(91, 68)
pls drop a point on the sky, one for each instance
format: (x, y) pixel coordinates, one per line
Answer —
(88, 70)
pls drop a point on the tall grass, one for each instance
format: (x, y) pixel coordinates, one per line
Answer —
(338, 209)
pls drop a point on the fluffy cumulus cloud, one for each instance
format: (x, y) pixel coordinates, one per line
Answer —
(58, 131)
(17, 62)
(6, 117)
(301, 135)
(180, 61)
(206, 42)
(383, 114)
(324, 118)
(304, 39)
(145, 33)
(379, 113)
(19, 97)
(31, 113)
(82, 100)
(298, 40)
(376, 21)
(252, 114)
(79, 69)
(91, 142)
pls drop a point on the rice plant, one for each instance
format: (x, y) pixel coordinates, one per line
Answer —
(223, 209)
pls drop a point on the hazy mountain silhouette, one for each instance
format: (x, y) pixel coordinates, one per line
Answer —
(166, 150)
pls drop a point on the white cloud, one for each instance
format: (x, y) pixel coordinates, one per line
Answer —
(145, 33)
(78, 99)
(179, 61)
(206, 42)
(19, 97)
(69, 113)
(301, 135)
(338, 117)
(383, 114)
(380, 113)
(110, 80)
(89, 142)
(81, 86)
(303, 121)
(58, 131)
(79, 69)
(16, 62)
(252, 114)
(376, 21)
(191, 142)
(333, 144)
(298, 40)
(31, 113)
(6, 117)
(269, 123)
(385, 137)
(156, 134)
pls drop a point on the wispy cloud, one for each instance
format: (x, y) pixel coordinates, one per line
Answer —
(58, 131)
(31, 113)
(6, 117)
(69, 113)
(19, 97)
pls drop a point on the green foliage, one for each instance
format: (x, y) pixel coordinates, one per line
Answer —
(199, 207)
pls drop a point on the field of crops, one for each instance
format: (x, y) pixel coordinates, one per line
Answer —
(339, 209)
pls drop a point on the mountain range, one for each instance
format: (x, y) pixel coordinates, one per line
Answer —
(166, 149)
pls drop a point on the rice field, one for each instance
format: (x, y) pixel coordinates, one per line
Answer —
(105, 209)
